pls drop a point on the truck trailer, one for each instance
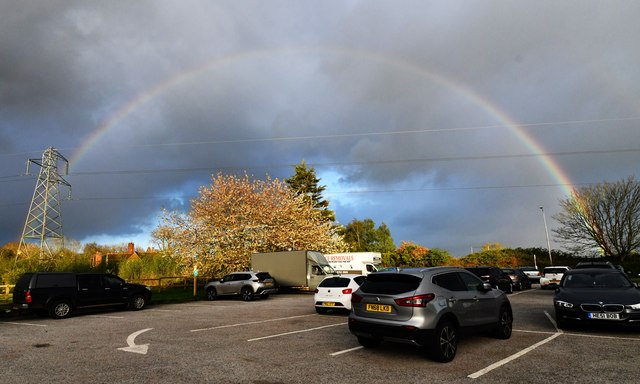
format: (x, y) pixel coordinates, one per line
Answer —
(293, 269)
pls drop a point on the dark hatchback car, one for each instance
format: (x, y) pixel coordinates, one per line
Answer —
(519, 279)
(58, 294)
(494, 276)
(596, 296)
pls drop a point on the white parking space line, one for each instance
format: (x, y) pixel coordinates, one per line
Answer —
(249, 323)
(346, 351)
(163, 310)
(512, 357)
(541, 332)
(553, 321)
(29, 324)
(199, 306)
(294, 332)
(107, 317)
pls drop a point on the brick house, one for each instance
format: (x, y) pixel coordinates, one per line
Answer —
(130, 254)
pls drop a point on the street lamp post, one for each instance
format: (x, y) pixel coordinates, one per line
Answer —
(546, 231)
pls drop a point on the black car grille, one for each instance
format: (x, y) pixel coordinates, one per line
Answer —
(602, 307)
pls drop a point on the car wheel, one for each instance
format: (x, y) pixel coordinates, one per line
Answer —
(60, 309)
(137, 302)
(247, 293)
(444, 344)
(368, 343)
(509, 288)
(504, 327)
(212, 294)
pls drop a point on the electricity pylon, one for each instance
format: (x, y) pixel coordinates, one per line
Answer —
(44, 220)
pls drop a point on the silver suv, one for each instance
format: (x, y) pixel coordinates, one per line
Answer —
(427, 307)
(246, 284)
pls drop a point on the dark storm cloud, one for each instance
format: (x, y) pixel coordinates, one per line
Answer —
(403, 108)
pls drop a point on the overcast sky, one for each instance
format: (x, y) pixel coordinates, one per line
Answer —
(450, 121)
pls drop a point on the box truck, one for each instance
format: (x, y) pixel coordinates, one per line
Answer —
(293, 269)
(361, 263)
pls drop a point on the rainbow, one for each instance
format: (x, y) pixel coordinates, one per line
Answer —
(528, 141)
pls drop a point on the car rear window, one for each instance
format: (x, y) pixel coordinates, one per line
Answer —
(23, 282)
(335, 282)
(390, 283)
(47, 280)
(263, 275)
(555, 270)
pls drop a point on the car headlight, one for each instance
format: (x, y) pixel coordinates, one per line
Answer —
(634, 306)
(563, 304)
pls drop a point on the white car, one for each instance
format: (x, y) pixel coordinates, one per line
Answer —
(334, 292)
(552, 275)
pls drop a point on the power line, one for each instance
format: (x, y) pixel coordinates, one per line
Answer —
(352, 163)
(361, 134)
(355, 192)
(331, 164)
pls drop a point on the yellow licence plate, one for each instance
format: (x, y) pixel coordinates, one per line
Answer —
(378, 308)
(328, 303)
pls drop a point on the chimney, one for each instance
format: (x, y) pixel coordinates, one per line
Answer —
(130, 248)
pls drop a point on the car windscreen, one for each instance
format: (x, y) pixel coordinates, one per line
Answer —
(390, 283)
(335, 282)
(596, 280)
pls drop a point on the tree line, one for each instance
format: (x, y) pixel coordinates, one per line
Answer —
(237, 215)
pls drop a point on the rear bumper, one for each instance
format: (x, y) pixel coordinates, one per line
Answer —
(266, 291)
(395, 333)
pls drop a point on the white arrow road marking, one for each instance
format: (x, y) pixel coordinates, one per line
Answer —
(142, 348)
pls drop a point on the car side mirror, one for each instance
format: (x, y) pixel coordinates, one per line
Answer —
(485, 287)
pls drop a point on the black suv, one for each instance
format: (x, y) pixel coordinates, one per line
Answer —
(59, 293)
(494, 276)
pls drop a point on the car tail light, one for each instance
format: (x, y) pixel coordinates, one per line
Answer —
(347, 291)
(27, 297)
(415, 301)
(316, 291)
(355, 298)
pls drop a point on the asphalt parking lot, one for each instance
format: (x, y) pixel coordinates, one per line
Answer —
(283, 340)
